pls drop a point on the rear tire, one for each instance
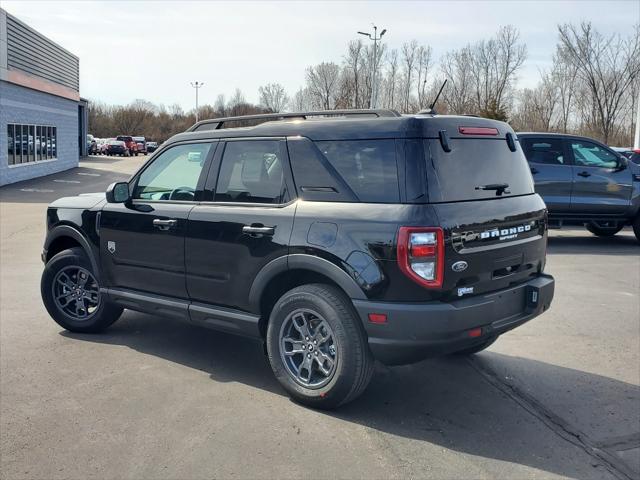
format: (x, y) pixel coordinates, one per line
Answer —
(71, 294)
(636, 227)
(477, 348)
(317, 347)
(603, 230)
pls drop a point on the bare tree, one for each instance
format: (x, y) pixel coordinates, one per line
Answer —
(423, 68)
(273, 97)
(409, 56)
(391, 80)
(323, 84)
(608, 66)
(564, 79)
(302, 101)
(354, 66)
(458, 94)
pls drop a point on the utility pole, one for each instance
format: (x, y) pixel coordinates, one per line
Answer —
(636, 141)
(197, 86)
(374, 80)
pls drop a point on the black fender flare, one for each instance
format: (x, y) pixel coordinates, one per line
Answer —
(300, 261)
(71, 232)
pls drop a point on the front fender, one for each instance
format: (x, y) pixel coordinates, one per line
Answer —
(68, 231)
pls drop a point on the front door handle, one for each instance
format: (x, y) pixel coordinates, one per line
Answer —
(534, 170)
(258, 230)
(164, 224)
(584, 174)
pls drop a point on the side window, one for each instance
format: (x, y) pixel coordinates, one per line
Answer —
(367, 166)
(174, 174)
(544, 150)
(252, 171)
(589, 154)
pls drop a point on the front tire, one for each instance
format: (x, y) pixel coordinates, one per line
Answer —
(608, 230)
(317, 348)
(71, 294)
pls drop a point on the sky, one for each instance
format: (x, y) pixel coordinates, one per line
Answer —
(154, 50)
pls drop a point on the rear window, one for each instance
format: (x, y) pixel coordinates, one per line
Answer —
(544, 150)
(472, 166)
(124, 139)
(368, 167)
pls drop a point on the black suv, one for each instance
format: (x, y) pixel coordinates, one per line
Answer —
(336, 238)
(584, 182)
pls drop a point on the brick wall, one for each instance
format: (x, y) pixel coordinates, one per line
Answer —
(22, 105)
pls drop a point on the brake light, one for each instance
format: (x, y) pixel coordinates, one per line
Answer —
(478, 131)
(421, 255)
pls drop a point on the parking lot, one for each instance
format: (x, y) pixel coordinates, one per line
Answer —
(154, 398)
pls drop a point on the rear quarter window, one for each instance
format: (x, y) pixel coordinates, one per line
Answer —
(369, 167)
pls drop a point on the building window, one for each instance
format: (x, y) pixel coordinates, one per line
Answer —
(30, 143)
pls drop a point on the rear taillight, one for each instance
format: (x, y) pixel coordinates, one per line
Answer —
(421, 255)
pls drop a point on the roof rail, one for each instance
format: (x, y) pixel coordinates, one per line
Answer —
(218, 123)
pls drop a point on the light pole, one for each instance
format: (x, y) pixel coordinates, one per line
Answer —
(636, 141)
(374, 87)
(197, 86)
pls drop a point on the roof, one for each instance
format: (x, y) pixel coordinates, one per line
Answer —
(413, 126)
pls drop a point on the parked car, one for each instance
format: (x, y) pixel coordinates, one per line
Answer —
(584, 182)
(393, 254)
(152, 147)
(142, 144)
(631, 153)
(103, 148)
(130, 143)
(117, 147)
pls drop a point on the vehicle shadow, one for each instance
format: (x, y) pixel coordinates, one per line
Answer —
(443, 402)
(624, 243)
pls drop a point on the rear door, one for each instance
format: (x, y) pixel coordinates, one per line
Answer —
(551, 170)
(245, 223)
(600, 185)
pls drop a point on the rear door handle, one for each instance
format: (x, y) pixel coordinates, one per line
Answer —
(165, 224)
(534, 170)
(257, 230)
(584, 174)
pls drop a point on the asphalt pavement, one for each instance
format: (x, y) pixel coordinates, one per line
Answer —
(154, 398)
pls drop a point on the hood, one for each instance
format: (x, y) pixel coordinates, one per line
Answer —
(84, 200)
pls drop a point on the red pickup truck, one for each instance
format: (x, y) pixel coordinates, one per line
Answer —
(131, 144)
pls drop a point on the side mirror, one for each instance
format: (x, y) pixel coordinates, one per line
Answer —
(623, 162)
(118, 192)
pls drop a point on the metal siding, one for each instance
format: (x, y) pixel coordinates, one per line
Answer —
(31, 52)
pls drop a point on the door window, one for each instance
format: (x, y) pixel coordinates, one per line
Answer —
(251, 171)
(174, 174)
(589, 154)
(544, 150)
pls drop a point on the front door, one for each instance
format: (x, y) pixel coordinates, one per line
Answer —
(600, 186)
(142, 241)
(551, 171)
(248, 223)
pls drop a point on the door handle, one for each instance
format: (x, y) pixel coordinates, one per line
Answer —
(534, 170)
(164, 224)
(258, 230)
(584, 174)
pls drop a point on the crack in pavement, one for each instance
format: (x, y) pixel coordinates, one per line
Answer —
(558, 425)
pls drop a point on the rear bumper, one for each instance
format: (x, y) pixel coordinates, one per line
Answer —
(415, 331)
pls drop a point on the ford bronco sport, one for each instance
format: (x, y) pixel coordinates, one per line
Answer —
(336, 238)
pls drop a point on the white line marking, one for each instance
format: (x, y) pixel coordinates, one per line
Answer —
(67, 181)
(38, 190)
(90, 174)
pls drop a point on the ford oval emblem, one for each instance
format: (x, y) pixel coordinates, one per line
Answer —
(460, 266)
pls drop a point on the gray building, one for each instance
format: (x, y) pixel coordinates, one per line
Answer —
(43, 120)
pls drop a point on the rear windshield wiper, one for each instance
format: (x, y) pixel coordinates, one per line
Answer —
(500, 188)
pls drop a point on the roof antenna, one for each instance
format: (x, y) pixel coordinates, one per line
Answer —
(431, 110)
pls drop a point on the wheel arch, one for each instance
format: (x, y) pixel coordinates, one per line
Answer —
(287, 272)
(63, 237)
